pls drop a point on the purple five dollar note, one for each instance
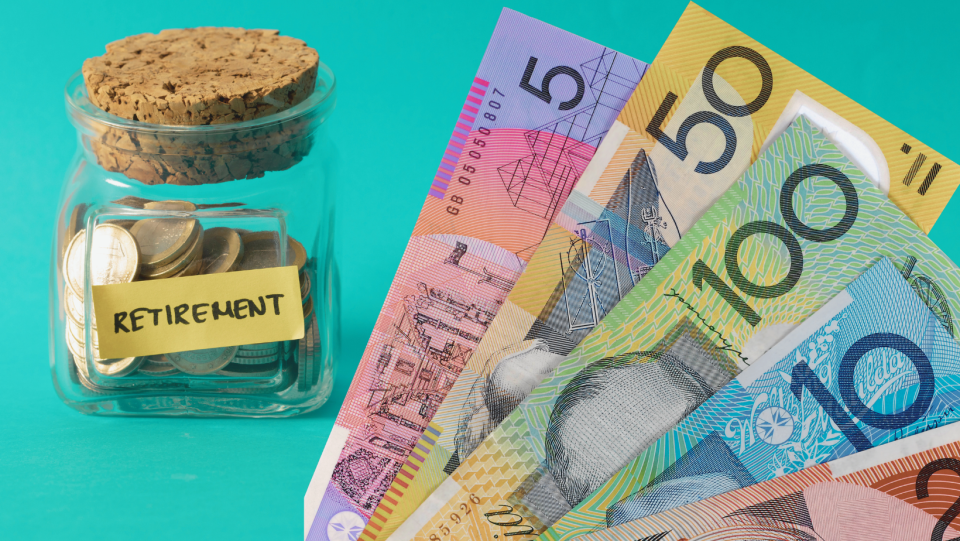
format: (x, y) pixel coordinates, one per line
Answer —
(536, 111)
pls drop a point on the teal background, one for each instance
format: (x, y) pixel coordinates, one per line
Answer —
(404, 70)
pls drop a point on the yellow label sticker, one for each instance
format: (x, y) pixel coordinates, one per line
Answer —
(198, 312)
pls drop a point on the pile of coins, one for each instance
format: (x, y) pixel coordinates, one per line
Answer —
(170, 247)
(115, 259)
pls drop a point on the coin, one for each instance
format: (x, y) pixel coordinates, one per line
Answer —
(163, 240)
(305, 359)
(187, 257)
(73, 306)
(266, 346)
(170, 205)
(81, 365)
(75, 346)
(193, 268)
(131, 201)
(73, 263)
(157, 365)
(299, 253)
(316, 352)
(126, 224)
(114, 258)
(202, 361)
(261, 251)
(250, 371)
(119, 367)
(222, 248)
(287, 376)
(308, 308)
(261, 359)
(305, 286)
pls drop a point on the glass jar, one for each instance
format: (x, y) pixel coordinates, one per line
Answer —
(234, 193)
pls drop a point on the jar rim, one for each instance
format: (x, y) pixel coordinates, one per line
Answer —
(80, 107)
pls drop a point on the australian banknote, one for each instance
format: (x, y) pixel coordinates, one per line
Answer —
(714, 99)
(903, 491)
(799, 226)
(541, 102)
(874, 365)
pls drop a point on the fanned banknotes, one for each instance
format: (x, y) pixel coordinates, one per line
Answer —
(874, 365)
(901, 491)
(592, 256)
(612, 230)
(800, 225)
(540, 104)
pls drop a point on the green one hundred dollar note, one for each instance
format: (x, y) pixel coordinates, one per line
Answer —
(799, 226)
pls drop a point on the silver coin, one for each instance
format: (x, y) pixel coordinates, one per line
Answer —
(151, 367)
(317, 351)
(250, 371)
(119, 367)
(266, 359)
(266, 346)
(302, 363)
(202, 361)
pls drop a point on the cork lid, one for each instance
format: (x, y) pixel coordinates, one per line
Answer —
(198, 76)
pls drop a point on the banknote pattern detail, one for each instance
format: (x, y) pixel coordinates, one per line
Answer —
(905, 491)
(886, 348)
(858, 242)
(692, 285)
(539, 105)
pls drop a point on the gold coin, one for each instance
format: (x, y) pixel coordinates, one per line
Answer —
(202, 361)
(119, 367)
(81, 365)
(170, 205)
(132, 201)
(300, 253)
(126, 224)
(177, 265)
(75, 347)
(261, 251)
(114, 258)
(192, 268)
(308, 307)
(73, 306)
(305, 286)
(222, 248)
(163, 240)
(73, 263)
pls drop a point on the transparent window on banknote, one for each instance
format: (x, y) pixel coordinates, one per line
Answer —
(193, 270)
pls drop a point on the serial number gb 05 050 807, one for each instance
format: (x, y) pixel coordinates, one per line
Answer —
(474, 150)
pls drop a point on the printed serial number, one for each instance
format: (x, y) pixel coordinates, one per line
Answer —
(478, 143)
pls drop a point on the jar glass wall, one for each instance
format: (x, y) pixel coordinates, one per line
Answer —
(198, 200)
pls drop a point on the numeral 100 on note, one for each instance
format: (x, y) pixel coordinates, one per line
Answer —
(703, 273)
